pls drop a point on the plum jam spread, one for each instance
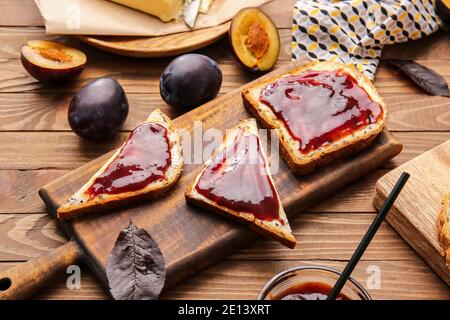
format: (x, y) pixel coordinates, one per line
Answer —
(320, 107)
(143, 159)
(308, 291)
(237, 179)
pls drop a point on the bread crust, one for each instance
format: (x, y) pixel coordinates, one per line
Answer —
(284, 236)
(117, 201)
(303, 164)
(443, 228)
(79, 204)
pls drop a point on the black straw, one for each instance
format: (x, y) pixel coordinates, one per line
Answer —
(368, 237)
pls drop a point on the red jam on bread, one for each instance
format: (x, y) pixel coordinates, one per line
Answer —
(143, 159)
(319, 107)
(224, 181)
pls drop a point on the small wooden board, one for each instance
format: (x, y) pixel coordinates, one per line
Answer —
(414, 213)
(192, 238)
(162, 46)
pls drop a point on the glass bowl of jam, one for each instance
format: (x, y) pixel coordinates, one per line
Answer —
(310, 283)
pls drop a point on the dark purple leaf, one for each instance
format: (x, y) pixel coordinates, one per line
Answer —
(427, 79)
(135, 269)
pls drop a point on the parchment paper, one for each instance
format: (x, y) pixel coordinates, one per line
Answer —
(102, 17)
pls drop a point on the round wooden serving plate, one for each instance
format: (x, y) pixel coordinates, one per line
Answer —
(162, 46)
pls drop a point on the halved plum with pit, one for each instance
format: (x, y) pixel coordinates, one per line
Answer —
(49, 61)
(254, 40)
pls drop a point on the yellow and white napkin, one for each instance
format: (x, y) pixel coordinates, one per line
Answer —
(354, 32)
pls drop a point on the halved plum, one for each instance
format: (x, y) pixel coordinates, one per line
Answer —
(254, 40)
(49, 61)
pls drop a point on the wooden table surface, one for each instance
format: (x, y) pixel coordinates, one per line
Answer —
(37, 146)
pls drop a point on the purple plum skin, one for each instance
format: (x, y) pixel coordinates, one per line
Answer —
(190, 81)
(99, 109)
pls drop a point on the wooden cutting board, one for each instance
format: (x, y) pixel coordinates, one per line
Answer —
(162, 46)
(414, 212)
(191, 238)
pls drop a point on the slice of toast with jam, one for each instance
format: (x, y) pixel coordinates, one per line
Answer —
(236, 182)
(145, 166)
(321, 111)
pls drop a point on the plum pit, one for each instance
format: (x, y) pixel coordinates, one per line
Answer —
(257, 40)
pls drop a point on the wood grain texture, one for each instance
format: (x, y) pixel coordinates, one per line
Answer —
(20, 193)
(322, 235)
(399, 280)
(24, 13)
(48, 111)
(414, 213)
(156, 47)
(13, 38)
(163, 46)
(418, 112)
(184, 249)
(416, 144)
(23, 280)
(38, 149)
(142, 76)
(434, 47)
(135, 75)
(244, 279)
(20, 190)
(26, 106)
(410, 112)
(56, 288)
(28, 236)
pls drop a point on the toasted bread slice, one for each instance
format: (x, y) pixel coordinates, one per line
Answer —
(250, 183)
(443, 224)
(299, 162)
(81, 202)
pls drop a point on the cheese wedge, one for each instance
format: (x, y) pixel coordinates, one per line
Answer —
(166, 10)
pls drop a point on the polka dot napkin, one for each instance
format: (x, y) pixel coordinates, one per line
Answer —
(354, 32)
